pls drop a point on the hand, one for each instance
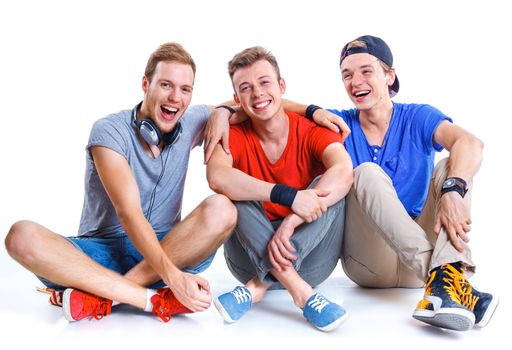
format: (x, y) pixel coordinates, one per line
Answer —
(280, 250)
(331, 121)
(192, 291)
(217, 129)
(454, 217)
(308, 204)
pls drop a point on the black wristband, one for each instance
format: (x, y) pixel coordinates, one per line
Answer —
(230, 109)
(283, 194)
(310, 110)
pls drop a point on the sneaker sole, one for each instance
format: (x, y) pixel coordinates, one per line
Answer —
(333, 325)
(222, 311)
(66, 305)
(488, 313)
(449, 318)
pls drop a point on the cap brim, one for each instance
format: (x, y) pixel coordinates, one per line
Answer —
(394, 88)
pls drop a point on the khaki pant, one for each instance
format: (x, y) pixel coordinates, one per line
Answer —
(383, 246)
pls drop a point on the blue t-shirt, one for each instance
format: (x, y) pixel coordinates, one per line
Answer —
(407, 153)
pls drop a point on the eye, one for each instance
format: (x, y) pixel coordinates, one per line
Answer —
(187, 90)
(346, 76)
(165, 85)
(244, 88)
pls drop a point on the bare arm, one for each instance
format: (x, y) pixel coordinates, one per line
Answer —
(337, 180)
(122, 189)
(464, 161)
(321, 117)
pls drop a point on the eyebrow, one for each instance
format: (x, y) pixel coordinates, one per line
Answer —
(360, 67)
(259, 78)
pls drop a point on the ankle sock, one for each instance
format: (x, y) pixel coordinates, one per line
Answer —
(149, 295)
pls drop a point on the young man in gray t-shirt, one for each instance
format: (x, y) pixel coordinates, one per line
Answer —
(132, 242)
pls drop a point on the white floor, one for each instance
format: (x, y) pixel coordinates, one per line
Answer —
(377, 317)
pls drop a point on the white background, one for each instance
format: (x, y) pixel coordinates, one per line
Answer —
(64, 64)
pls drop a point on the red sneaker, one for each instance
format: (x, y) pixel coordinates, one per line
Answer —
(165, 305)
(78, 305)
(56, 298)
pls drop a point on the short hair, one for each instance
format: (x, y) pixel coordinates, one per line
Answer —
(250, 56)
(358, 44)
(168, 52)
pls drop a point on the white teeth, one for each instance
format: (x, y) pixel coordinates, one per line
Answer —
(361, 93)
(170, 109)
(262, 104)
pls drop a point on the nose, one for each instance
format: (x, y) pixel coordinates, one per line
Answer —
(356, 79)
(174, 95)
(257, 91)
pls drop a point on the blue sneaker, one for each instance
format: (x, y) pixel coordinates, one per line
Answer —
(323, 314)
(234, 304)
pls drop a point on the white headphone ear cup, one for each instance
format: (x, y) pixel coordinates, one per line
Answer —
(149, 132)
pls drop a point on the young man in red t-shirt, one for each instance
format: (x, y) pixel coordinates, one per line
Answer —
(288, 179)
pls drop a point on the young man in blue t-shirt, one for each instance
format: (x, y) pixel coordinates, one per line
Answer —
(407, 222)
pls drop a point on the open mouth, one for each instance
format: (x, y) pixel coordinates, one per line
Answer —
(169, 112)
(362, 93)
(261, 105)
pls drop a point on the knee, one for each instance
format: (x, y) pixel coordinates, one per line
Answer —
(369, 172)
(219, 213)
(20, 240)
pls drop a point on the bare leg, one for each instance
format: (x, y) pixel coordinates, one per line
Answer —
(194, 239)
(51, 256)
(257, 289)
(299, 289)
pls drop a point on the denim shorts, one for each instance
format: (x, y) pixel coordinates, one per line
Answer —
(116, 252)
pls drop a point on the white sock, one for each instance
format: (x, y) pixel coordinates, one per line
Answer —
(149, 294)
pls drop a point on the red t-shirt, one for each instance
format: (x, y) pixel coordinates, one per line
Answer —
(300, 163)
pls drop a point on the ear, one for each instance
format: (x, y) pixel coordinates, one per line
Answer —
(282, 85)
(235, 97)
(145, 84)
(391, 76)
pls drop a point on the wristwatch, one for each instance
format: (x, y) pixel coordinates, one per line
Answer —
(454, 184)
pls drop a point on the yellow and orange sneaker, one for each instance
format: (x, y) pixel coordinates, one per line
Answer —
(78, 305)
(165, 305)
(441, 305)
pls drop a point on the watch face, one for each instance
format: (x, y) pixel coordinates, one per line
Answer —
(449, 183)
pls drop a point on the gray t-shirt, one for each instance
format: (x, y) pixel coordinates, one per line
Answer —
(117, 132)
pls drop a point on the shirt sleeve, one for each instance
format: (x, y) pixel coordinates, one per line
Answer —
(425, 123)
(196, 117)
(107, 133)
(319, 138)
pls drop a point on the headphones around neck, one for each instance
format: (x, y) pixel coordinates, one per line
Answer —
(150, 132)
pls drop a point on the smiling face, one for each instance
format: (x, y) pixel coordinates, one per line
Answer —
(366, 82)
(168, 94)
(258, 90)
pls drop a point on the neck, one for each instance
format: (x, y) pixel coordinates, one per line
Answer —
(272, 130)
(378, 116)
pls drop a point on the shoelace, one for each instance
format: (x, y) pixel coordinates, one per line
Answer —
(165, 305)
(56, 298)
(241, 295)
(96, 307)
(459, 288)
(318, 303)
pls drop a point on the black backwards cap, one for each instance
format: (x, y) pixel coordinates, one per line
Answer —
(375, 47)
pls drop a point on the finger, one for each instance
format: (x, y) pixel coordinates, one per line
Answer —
(463, 235)
(466, 228)
(455, 241)
(273, 261)
(290, 248)
(278, 255)
(203, 284)
(437, 226)
(321, 193)
(284, 253)
(225, 142)
(208, 152)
